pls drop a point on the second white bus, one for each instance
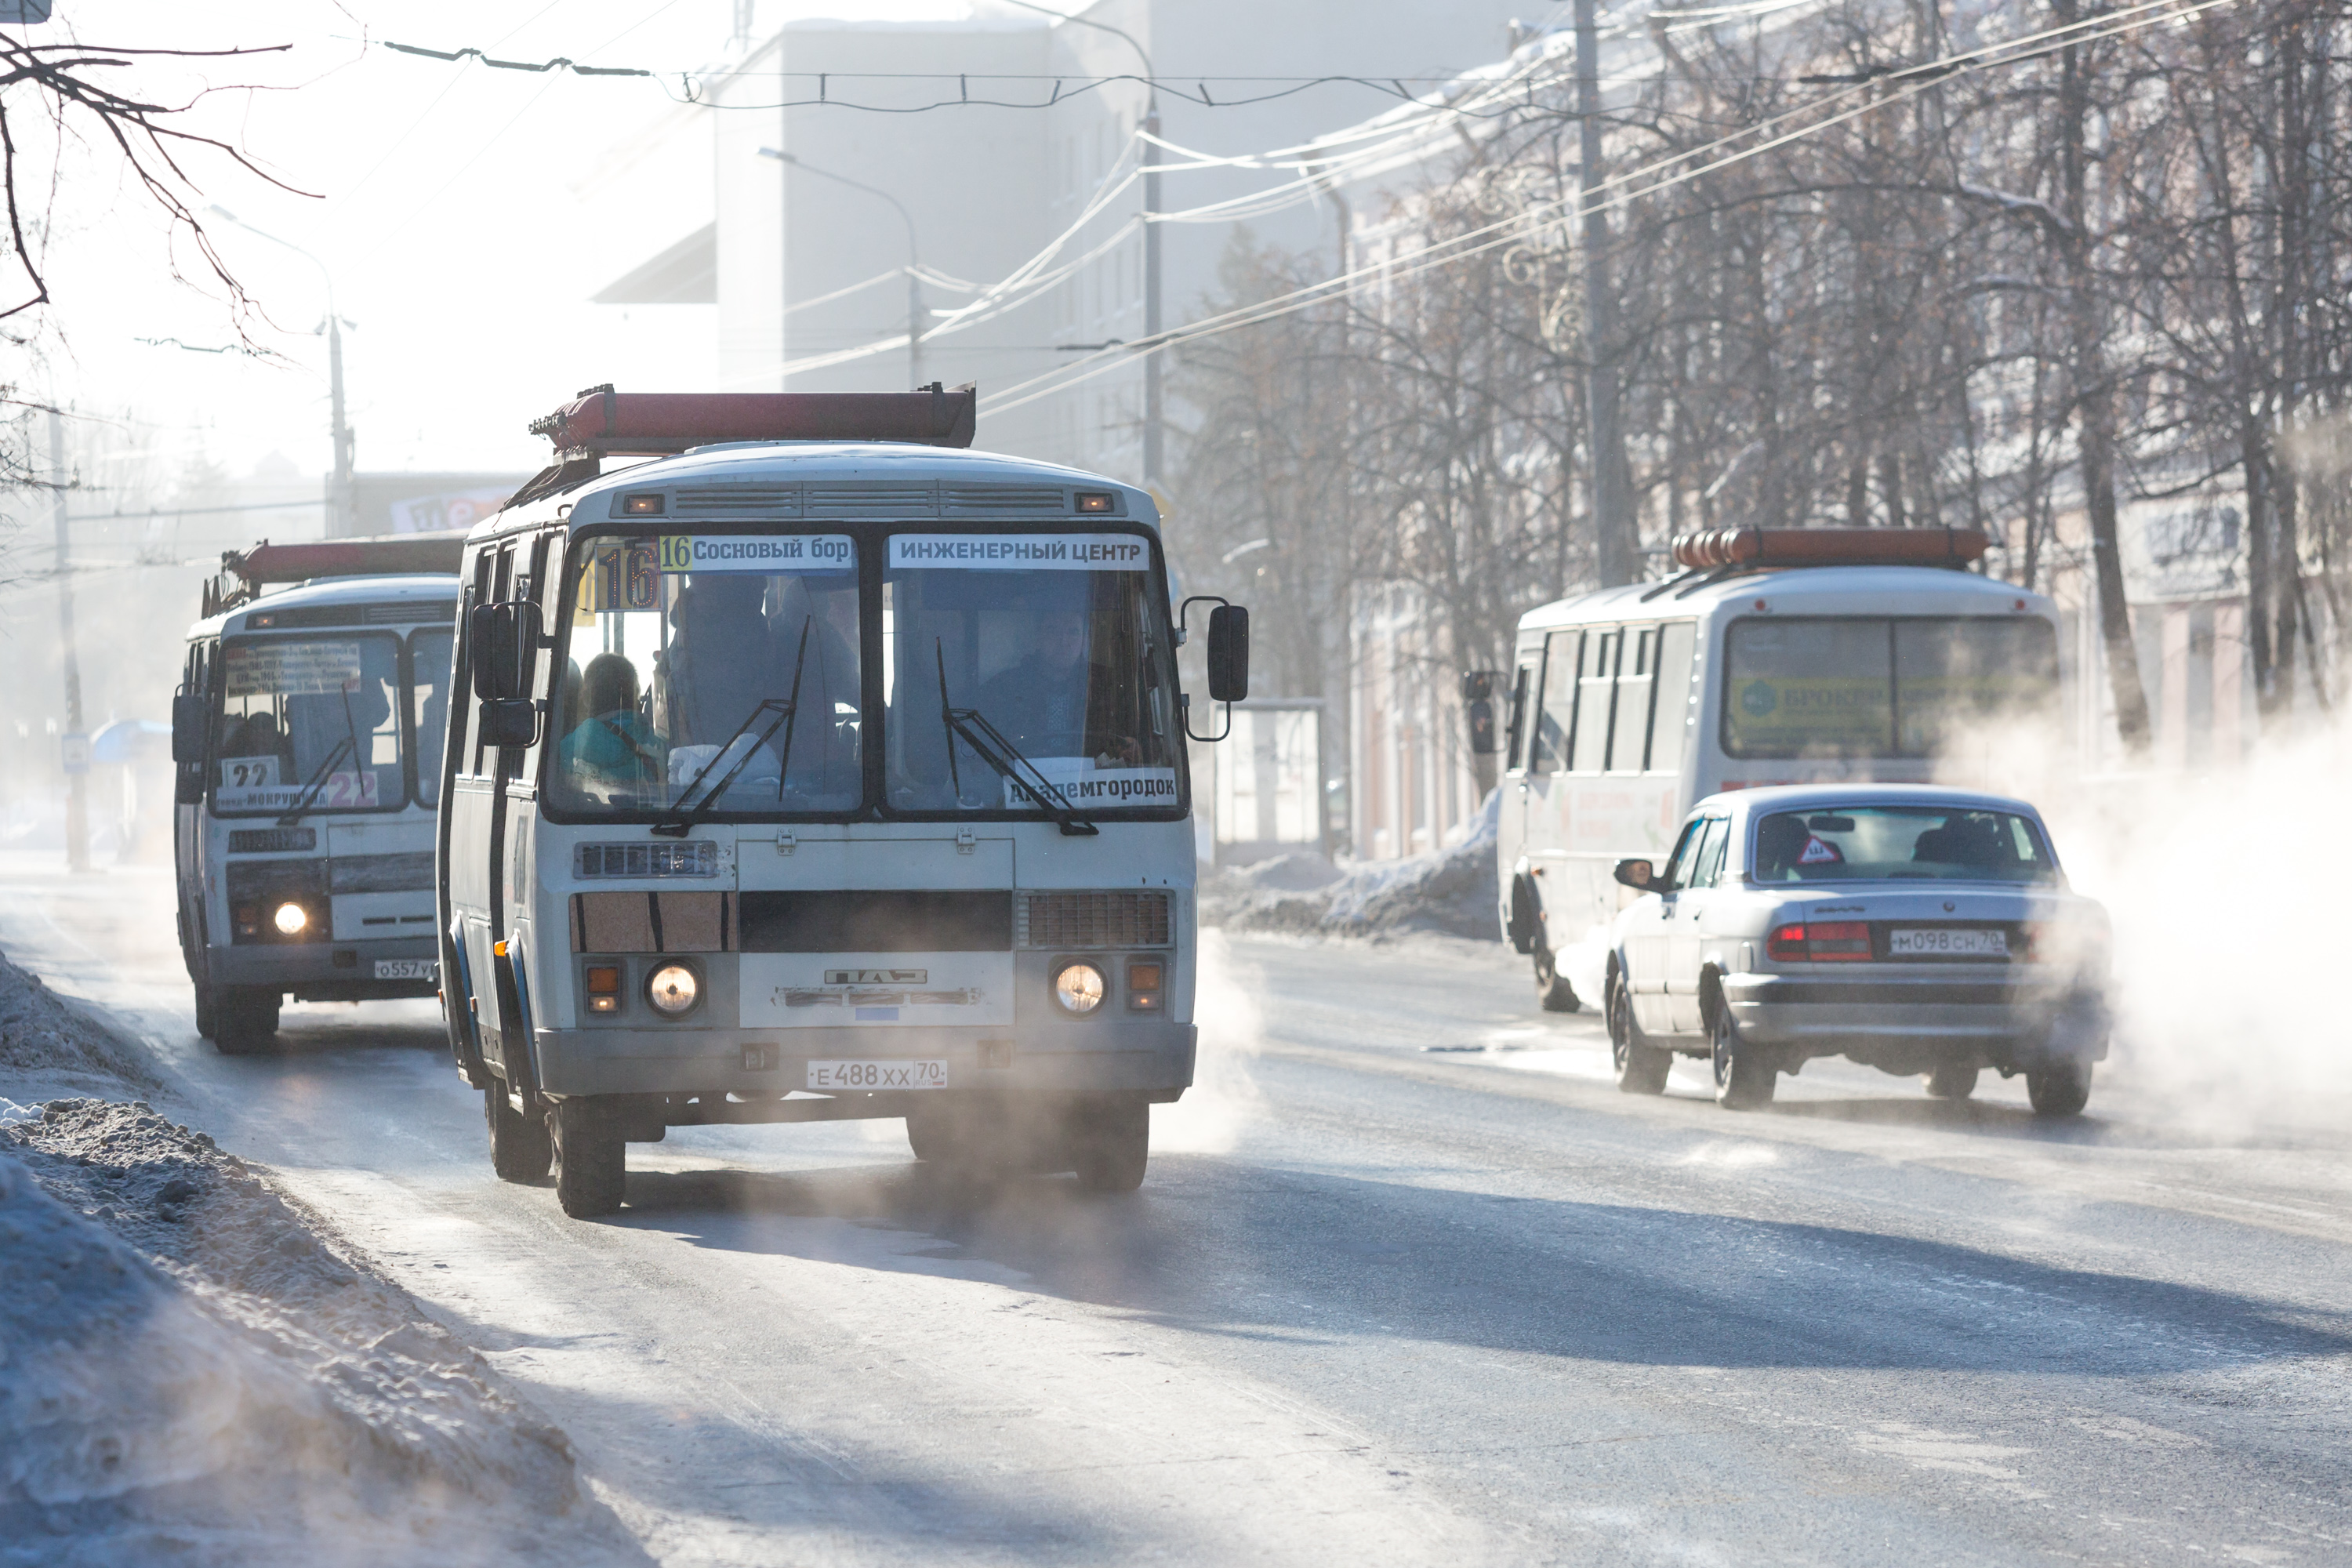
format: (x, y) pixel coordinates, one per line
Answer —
(1631, 704)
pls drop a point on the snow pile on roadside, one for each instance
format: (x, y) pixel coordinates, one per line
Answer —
(1452, 890)
(44, 1039)
(187, 1370)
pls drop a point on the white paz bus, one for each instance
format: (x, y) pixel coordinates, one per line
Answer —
(818, 770)
(306, 731)
(1778, 656)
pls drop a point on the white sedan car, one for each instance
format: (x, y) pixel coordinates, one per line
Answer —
(1914, 928)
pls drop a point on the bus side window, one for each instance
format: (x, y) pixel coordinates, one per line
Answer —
(532, 588)
(1636, 685)
(483, 593)
(1677, 642)
(1596, 687)
(1523, 692)
(1556, 714)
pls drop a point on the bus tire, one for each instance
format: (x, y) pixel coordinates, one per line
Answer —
(520, 1148)
(1953, 1080)
(1110, 1144)
(1553, 990)
(245, 1019)
(207, 1011)
(1641, 1067)
(591, 1159)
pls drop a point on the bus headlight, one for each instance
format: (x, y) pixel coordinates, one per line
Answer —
(674, 989)
(290, 918)
(1079, 988)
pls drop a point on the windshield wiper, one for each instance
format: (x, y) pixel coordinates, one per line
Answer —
(786, 709)
(971, 726)
(317, 781)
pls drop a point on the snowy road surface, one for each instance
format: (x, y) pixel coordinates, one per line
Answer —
(1378, 1301)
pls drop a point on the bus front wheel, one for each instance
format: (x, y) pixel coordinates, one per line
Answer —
(590, 1158)
(1552, 988)
(520, 1150)
(1110, 1144)
(245, 1019)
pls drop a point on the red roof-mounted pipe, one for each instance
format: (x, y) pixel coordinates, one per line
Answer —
(1759, 548)
(244, 571)
(601, 422)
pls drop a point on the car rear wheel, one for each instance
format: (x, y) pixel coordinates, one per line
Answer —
(2062, 1089)
(1744, 1078)
(520, 1148)
(1952, 1080)
(591, 1159)
(1555, 993)
(1641, 1067)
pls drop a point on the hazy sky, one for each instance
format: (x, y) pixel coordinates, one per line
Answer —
(463, 214)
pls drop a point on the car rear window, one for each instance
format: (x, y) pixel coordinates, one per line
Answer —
(1892, 843)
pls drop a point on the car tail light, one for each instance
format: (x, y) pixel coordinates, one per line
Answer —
(1822, 942)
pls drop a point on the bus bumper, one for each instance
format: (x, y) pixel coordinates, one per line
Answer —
(1151, 1056)
(327, 971)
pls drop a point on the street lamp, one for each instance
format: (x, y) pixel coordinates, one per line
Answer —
(342, 503)
(1152, 395)
(914, 283)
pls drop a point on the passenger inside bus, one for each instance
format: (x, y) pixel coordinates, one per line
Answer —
(611, 747)
(256, 735)
(1042, 700)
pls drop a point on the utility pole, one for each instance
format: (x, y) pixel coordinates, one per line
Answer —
(342, 503)
(1617, 545)
(75, 750)
(1153, 412)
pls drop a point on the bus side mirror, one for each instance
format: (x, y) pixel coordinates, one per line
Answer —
(1480, 717)
(503, 640)
(1636, 875)
(188, 728)
(1228, 654)
(510, 722)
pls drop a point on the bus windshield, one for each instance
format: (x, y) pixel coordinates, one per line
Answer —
(309, 722)
(1875, 686)
(707, 657)
(1054, 648)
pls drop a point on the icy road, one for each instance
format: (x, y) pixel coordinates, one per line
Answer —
(1413, 1282)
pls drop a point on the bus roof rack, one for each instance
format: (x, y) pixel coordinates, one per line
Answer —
(1734, 549)
(601, 421)
(244, 572)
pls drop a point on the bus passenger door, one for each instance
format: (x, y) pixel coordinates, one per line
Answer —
(1544, 789)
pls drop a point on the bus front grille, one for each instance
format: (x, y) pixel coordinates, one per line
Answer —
(1095, 919)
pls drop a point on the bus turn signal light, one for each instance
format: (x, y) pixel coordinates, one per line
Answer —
(603, 988)
(1143, 987)
(1822, 941)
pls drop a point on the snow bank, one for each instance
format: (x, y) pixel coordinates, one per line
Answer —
(191, 1371)
(1451, 891)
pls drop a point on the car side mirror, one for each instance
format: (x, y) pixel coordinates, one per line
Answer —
(1638, 875)
(510, 722)
(1228, 654)
(188, 728)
